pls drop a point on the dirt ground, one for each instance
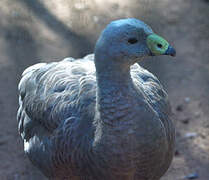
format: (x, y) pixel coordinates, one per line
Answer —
(49, 30)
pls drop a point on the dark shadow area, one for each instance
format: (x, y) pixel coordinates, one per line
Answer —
(23, 46)
(22, 51)
(81, 45)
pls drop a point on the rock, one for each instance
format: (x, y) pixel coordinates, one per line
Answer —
(187, 99)
(190, 135)
(197, 114)
(192, 176)
(179, 107)
(202, 136)
(185, 121)
(176, 153)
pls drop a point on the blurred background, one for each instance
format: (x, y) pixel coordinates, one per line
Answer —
(33, 31)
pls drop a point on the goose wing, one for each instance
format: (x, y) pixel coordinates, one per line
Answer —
(50, 93)
(158, 100)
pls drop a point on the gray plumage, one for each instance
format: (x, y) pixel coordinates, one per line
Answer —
(102, 117)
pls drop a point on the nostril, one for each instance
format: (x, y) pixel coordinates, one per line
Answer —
(132, 40)
(159, 45)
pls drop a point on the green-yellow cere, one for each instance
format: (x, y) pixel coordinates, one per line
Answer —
(157, 44)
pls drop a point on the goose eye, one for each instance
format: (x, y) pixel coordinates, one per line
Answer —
(132, 40)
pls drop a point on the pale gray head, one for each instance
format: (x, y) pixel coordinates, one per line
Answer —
(127, 41)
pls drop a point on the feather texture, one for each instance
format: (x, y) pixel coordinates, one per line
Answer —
(80, 121)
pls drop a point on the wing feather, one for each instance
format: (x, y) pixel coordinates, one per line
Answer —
(50, 93)
(152, 88)
(158, 99)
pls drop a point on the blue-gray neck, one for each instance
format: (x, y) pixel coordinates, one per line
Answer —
(109, 69)
(114, 84)
(112, 75)
(115, 114)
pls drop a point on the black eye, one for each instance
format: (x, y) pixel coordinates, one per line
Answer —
(132, 40)
(159, 45)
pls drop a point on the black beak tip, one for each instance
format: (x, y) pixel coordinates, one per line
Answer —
(170, 51)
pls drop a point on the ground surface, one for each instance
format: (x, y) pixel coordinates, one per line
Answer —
(34, 31)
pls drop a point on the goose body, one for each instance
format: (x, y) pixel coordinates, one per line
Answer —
(102, 117)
